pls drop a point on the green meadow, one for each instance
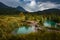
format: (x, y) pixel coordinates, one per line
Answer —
(9, 22)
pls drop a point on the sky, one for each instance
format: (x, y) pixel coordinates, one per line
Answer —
(33, 5)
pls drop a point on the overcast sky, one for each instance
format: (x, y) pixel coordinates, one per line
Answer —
(33, 5)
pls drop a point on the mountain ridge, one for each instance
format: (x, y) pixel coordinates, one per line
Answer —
(2, 5)
(6, 9)
(21, 9)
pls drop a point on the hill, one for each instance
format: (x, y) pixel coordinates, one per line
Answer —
(21, 9)
(5, 10)
(49, 11)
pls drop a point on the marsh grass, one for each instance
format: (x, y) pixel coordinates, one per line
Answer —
(9, 23)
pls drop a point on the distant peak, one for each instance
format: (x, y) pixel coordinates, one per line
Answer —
(21, 9)
(2, 5)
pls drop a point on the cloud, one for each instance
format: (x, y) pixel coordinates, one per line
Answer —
(12, 3)
(48, 5)
(32, 5)
(40, 6)
(55, 1)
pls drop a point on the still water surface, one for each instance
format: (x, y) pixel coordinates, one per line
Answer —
(24, 30)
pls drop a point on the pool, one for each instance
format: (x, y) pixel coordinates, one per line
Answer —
(24, 30)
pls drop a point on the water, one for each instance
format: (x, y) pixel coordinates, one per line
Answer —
(49, 23)
(24, 30)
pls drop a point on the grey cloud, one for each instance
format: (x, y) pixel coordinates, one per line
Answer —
(32, 7)
(12, 3)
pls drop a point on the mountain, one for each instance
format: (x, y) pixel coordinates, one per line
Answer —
(3, 5)
(21, 9)
(52, 10)
(49, 11)
(5, 10)
(9, 10)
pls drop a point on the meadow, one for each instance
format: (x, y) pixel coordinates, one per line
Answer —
(9, 22)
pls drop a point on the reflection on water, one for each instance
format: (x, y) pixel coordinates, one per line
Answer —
(24, 30)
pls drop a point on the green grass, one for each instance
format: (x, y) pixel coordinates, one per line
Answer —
(9, 22)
